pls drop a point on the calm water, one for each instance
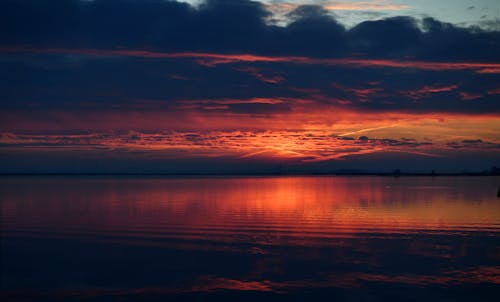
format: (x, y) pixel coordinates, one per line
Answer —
(235, 239)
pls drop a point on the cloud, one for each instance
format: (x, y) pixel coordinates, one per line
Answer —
(365, 5)
(466, 96)
(221, 80)
(472, 144)
(93, 80)
(172, 26)
(243, 106)
(262, 75)
(377, 5)
(214, 59)
(428, 90)
(494, 91)
(301, 145)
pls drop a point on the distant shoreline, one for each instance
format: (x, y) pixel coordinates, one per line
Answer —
(384, 174)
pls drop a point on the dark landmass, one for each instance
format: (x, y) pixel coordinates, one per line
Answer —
(395, 173)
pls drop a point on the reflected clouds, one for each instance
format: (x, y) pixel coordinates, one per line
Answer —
(279, 235)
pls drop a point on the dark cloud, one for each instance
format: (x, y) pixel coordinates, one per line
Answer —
(402, 142)
(446, 41)
(76, 81)
(312, 32)
(388, 37)
(233, 26)
(492, 25)
(474, 143)
(311, 12)
(63, 82)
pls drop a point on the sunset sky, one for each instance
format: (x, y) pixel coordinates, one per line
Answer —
(247, 86)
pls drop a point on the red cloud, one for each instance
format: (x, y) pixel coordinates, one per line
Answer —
(426, 90)
(466, 96)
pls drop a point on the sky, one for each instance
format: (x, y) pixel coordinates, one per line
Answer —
(242, 86)
(482, 13)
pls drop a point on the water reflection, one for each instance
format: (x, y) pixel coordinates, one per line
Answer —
(105, 237)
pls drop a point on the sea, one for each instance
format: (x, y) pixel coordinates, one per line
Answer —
(250, 238)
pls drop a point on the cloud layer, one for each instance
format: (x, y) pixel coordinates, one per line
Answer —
(221, 81)
(234, 26)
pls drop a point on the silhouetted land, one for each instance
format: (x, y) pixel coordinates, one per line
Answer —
(333, 173)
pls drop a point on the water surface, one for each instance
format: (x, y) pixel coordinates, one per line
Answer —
(247, 238)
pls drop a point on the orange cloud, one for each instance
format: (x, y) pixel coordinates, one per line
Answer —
(430, 89)
(377, 5)
(466, 96)
(236, 101)
(426, 90)
(428, 136)
(365, 5)
(362, 93)
(259, 74)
